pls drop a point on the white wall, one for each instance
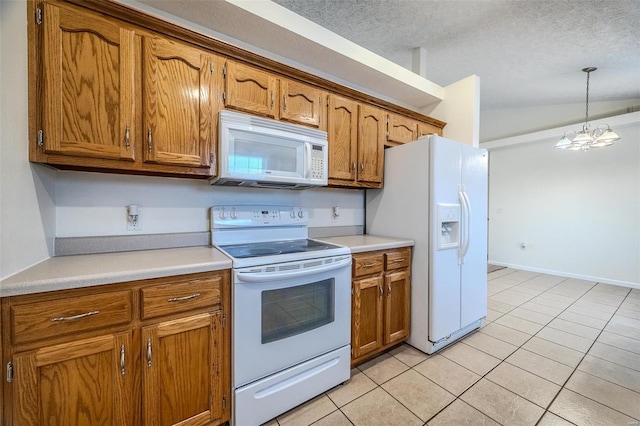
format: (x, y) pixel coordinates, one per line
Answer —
(91, 204)
(460, 109)
(578, 213)
(27, 214)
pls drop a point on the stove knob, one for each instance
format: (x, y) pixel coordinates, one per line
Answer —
(233, 214)
(300, 214)
(222, 215)
(293, 214)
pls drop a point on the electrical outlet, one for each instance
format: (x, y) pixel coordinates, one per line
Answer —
(335, 214)
(134, 223)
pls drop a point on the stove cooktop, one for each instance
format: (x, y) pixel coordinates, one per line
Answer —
(274, 248)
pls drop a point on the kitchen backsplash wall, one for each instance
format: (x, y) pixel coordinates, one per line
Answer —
(94, 204)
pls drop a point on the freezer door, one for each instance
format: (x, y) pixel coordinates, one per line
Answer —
(444, 271)
(473, 283)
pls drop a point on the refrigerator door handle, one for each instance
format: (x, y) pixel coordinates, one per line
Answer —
(463, 224)
(467, 223)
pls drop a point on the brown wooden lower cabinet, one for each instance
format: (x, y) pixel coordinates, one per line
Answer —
(105, 364)
(380, 302)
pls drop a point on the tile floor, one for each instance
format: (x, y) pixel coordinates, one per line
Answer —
(553, 351)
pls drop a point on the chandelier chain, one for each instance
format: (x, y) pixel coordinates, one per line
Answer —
(586, 113)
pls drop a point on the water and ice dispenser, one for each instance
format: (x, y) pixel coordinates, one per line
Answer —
(448, 226)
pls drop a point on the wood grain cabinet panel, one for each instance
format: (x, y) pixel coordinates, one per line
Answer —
(180, 370)
(367, 319)
(88, 86)
(47, 319)
(396, 307)
(181, 296)
(250, 89)
(381, 302)
(177, 103)
(301, 103)
(85, 382)
(371, 134)
(400, 129)
(342, 124)
(428, 129)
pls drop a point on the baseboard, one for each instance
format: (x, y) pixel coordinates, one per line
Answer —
(568, 274)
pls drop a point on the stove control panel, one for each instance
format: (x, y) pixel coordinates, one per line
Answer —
(253, 216)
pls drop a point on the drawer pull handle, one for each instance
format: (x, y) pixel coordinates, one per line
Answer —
(398, 260)
(122, 369)
(368, 265)
(75, 317)
(180, 299)
(149, 352)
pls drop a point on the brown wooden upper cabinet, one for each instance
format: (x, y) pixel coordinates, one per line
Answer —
(356, 143)
(302, 104)
(400, 129)
(428, 129)
(88, 86)
(177, 103)
(250, 89)
(255, 91)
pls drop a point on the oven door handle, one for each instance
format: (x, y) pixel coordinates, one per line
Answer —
(261, 277)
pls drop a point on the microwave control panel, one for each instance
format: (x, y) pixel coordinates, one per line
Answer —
(317, 162)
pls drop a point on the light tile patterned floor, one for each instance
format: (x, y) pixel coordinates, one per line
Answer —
(553, 351)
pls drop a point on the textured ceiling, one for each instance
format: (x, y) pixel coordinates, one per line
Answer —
(526, 53)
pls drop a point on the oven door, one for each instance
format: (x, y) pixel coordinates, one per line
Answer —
(289, 313)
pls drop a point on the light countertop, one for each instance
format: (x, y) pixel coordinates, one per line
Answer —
(66, 272)
(362, 243)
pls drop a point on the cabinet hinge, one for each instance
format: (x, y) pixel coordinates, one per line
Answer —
(224, 71)
(10, 371)
(327, 100)
(40, 138)
(224, 320)
(224, 97)
(211, 68)
(39, 16)
(224, 402)
(212, 158)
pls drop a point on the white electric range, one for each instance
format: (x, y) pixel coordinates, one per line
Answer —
(291, 303)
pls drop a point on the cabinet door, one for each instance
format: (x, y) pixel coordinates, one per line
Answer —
(301, 103)
(400, 129)
(370, 144)
(88, 382)
(177, 103)
(428, 129)
(88, 72)
(396, 307)
(181, 366)
(343, 138)
(366, 321)
(250, 89)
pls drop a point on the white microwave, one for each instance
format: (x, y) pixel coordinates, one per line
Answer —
(259, 152)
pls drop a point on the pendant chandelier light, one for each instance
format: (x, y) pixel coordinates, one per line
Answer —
(585, 139)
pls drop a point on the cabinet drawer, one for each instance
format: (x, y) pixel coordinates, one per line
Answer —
(397, 259)
(367, 264)
(43, 320)
(181, 296)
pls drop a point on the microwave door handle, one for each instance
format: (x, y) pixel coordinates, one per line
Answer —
(261, 277)
(307, 150)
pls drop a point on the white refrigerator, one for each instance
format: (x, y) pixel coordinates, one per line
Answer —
(435, 193)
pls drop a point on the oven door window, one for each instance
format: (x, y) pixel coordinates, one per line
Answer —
(295, 310)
